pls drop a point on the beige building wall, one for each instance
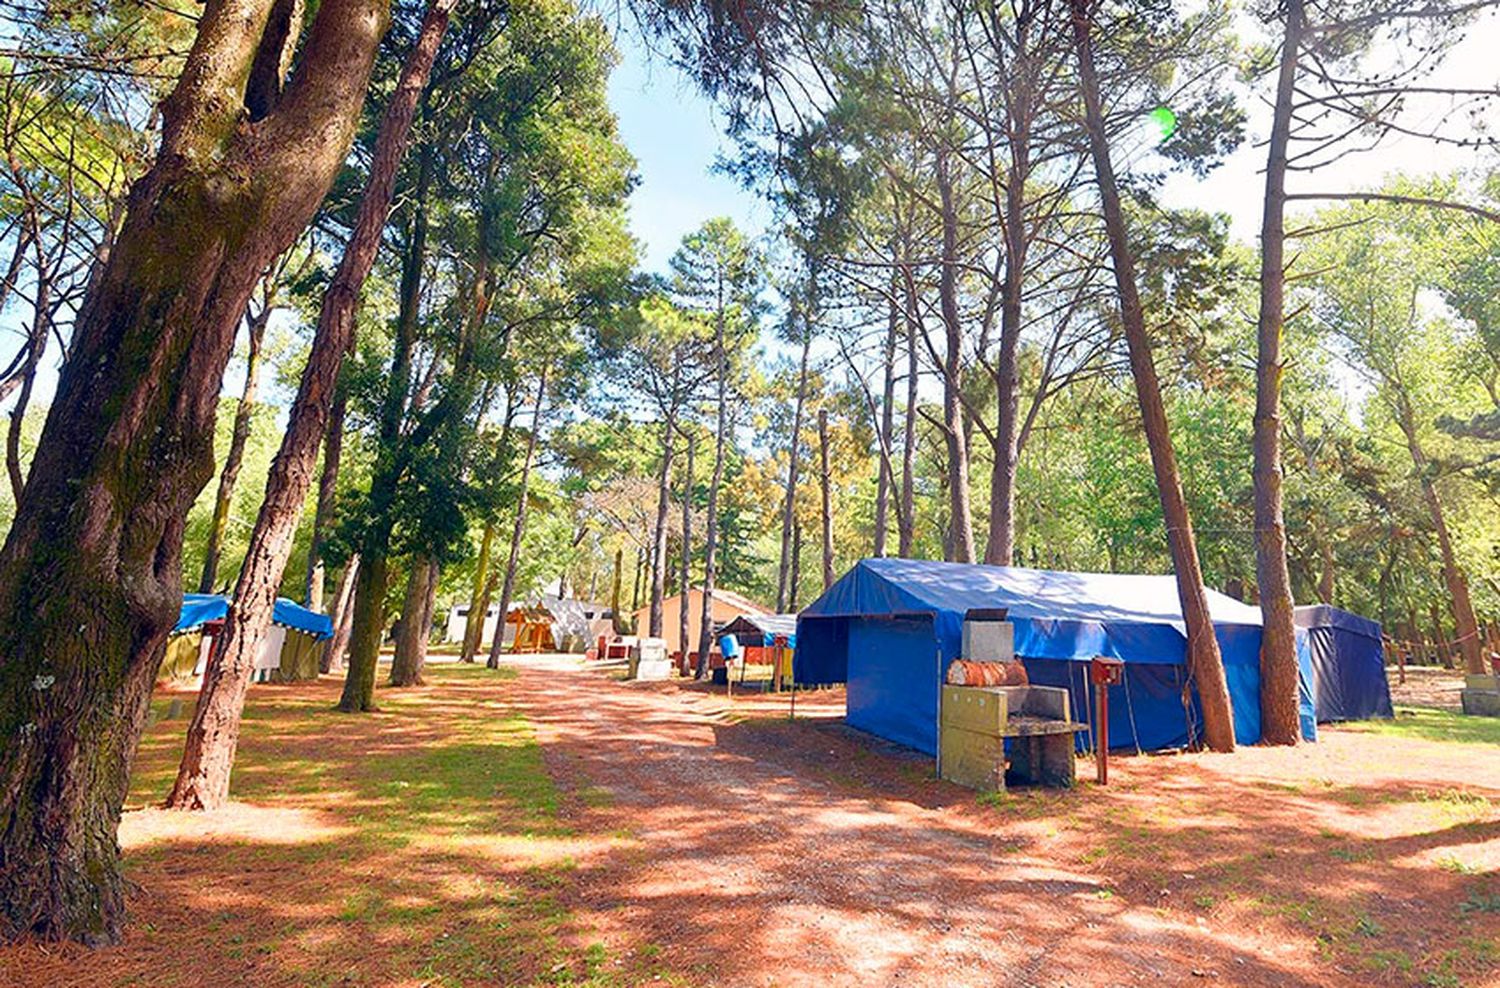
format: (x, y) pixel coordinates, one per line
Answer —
(725, 609)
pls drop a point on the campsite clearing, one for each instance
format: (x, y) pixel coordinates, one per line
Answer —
(555, 826)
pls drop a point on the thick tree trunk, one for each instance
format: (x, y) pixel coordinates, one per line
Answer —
(887, 427)
(518, 534)
(825, 486)
(90, 575)
(224, 497)
(711, 518)
(479, 596)
(343, 617)
(213, 735)
(366, 634)
(416, 624)
(659, 532)
(1204, 664)
(960, 520)
(1279, 672)
(1465, 625)
(789, 501)
(683, 612)
(328, 482)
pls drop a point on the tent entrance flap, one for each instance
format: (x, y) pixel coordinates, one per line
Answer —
(895, 674)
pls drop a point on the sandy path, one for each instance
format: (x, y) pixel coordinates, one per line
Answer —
(755, 863)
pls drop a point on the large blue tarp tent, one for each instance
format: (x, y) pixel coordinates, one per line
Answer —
(199, 609)
(890, 627)
(1348, 664)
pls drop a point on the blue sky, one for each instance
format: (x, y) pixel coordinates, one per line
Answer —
(675, 135)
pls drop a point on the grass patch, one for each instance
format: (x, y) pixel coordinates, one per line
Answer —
(432, 831)
(1431, 724)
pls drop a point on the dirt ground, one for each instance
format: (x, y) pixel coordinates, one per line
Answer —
(1427, 686)
(688, 839)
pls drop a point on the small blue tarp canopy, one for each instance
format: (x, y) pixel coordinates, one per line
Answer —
(890, 627)
(1348, 664)
(762, 629)
(199, 609)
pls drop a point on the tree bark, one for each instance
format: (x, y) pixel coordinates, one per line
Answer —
(683, 616)
(906, 517)
(479, 596)
(614, 589)
(961, 522)
(328, 482)
(507, 588)
(1000, 548)
(796, 568)
(90, 575)
(343, 615)
(824, 484)
(789, 503)
(416, 624)
(659, 532)
(1204, 663)
(1279, 672)
(1465, 625)
(224, 497)
(213, 735)
(368, 614)
(36, 345)
(883, 483)
(711, 519)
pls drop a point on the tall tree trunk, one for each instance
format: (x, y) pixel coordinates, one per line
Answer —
(824, 484)
(614, 589)
(1465, 626)
(90, 575)
(1000, 548)
(683, 611)
(36, 345)
(1204, 663)
(508, 587)
(479, 595)
(343, 616)
(789, 502)
(213, 735)
(887, 427)
(659, 532)
(224, 497)
(1279, 671)
(416, 623)
(328, 482)
(711, 519)
(368, 610)
(796, 588)
(961, 522)
(635, 593)
(906, 517)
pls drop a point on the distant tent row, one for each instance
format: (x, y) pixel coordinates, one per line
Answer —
(544, 624)
(725, 607)
(890, 627)
(292, 651)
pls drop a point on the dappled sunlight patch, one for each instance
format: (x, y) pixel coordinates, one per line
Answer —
(245, 823)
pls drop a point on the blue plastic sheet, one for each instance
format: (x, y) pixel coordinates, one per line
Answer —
(1347, 659)
(199, 609)
(890, 627)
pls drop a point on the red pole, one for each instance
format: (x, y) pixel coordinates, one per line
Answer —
(1101, 731)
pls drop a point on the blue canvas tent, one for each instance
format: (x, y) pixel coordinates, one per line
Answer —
(1348, 664)
(890, 627)
(199, 609)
